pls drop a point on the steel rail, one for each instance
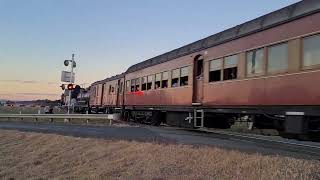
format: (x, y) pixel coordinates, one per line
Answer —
(88, 117)
(287, 142)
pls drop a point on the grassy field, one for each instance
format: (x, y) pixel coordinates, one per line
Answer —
(43, 156)
(26, 110)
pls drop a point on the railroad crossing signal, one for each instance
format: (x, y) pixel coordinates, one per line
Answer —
(63, 86)
(70, 87)
(67, 86)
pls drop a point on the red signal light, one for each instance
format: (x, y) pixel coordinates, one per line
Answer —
(70, 87)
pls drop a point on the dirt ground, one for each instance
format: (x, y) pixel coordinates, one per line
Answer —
(42, 156)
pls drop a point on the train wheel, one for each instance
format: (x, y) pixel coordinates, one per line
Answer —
(156, 118)
(126, 116)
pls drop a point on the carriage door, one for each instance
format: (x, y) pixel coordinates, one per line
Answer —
(198, 69)
(102, 95)
(119, 89)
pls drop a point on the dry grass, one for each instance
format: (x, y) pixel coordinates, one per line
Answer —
(42, 156)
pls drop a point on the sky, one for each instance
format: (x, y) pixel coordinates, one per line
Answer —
(107, 36)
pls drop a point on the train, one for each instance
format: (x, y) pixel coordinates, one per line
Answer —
(265, 70)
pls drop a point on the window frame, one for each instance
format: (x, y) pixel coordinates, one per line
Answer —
(303, 67)
(282, 71)
(264, 62)
(221, 69)
(188, 67)
(128, 86)
(152, 81)
(178, 78)
(145, 83)
(161, 82)
(137, 84)
(121, 87)
(132, 84)
(224, 67)
(155, 81)
(110, 88)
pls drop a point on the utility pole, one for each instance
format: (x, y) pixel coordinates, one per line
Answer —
(71, 76)
(68, 76)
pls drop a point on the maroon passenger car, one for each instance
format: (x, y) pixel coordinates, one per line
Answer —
(107, 95)
(265, 70)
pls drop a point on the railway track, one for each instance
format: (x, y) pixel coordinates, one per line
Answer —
(291, 145)
(269, 145)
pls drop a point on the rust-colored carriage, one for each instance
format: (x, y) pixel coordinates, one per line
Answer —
(266, 70)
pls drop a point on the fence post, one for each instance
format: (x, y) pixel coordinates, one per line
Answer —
(66, 120)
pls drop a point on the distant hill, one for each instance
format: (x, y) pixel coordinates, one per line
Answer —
(39, 102)
(44, 102)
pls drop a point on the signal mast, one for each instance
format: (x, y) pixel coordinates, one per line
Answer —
(69, 77)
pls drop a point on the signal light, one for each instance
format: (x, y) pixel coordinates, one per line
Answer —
(63, 87)
(70, 87)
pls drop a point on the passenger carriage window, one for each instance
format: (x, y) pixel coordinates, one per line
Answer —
(230, 69)
(133, 83)
(144, 83)
(158, 81)
(215, 70)
(128, 86)
(150, 80)
(121, 87)
(110, 89)
(255, 61)
(164, 78)
(199, 67)
(278, 58)
(117, 87)
(137, 84)
(184, 79)
(311, 50)
(175, 78)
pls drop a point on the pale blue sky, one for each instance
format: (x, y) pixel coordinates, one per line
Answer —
(106, 36)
